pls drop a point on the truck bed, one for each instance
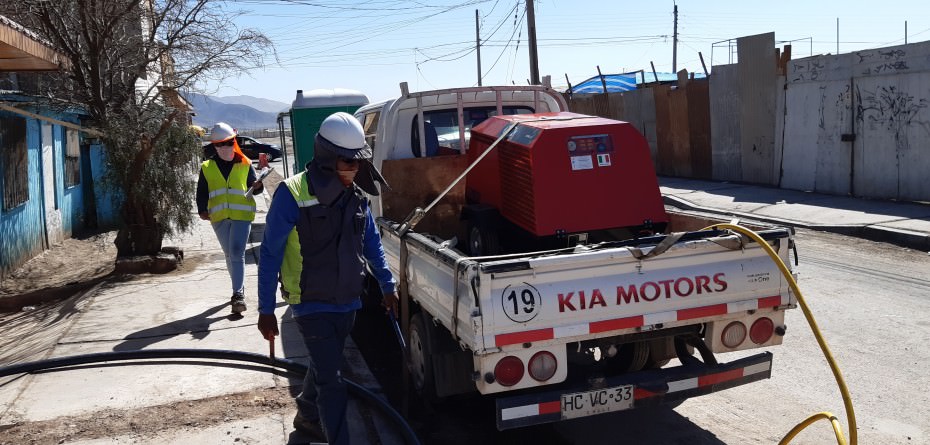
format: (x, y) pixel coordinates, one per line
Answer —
(492, 304)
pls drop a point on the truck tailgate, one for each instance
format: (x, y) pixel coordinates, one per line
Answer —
(593, 293)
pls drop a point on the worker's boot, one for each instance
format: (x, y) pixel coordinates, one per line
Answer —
(238, 303)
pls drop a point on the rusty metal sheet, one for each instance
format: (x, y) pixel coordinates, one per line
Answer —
(699, 128)
(639, 109)
(679, 132)
(664, 144)
(416, 182)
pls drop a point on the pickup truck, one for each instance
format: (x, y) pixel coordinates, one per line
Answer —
(586, 322)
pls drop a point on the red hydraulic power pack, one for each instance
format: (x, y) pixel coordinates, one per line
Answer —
(562, 173)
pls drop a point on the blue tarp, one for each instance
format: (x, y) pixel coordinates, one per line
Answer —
(623, 82)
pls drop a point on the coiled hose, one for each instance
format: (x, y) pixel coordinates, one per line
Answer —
(296, 369)
(837, 374)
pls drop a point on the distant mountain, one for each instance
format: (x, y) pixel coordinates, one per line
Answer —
(266, 105)
(210, 110)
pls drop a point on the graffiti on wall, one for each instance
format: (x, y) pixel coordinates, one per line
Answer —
(839, 107)
(893, 109)
(807, 70)
(886, 62)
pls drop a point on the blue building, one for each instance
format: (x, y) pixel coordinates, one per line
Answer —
(48, 162)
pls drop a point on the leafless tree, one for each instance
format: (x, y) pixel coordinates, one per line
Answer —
(129, 59)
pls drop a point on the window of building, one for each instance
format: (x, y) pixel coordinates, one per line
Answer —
(14, 161)
(72, 159)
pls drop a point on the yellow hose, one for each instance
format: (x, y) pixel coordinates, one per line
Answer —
(847, 400)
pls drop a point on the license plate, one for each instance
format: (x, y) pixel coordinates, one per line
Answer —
(588, 403)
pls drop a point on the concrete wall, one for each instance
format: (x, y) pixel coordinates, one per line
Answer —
(724, 127)
(756, 71)
(858, 123)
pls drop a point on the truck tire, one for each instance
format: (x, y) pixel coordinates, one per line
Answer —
(420, 365)
(631, 357)
(482, 240)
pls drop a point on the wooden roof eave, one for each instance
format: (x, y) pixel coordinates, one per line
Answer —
(22, 52)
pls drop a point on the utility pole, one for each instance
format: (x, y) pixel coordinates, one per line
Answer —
(675, 43)
(478, 46)
(837, 35)
(531, 31)
(905, 32)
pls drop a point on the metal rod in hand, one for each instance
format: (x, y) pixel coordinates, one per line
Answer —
(397, 332)
(271, 348)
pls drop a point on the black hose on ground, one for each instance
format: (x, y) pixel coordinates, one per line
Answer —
(296, 369)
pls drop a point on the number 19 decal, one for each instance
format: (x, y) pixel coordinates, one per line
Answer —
(521, 303)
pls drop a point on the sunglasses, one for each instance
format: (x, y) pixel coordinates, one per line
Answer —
(224, 143)
(348, 161)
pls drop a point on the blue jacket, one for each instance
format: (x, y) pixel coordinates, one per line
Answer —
(282, 217)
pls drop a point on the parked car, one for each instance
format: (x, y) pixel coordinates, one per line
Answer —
(250, 147)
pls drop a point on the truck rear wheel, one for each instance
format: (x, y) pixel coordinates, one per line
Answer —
(421, 366)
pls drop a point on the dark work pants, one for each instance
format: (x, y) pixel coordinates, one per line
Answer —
(324, 395)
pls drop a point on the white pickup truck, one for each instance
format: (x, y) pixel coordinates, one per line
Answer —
(594, 325)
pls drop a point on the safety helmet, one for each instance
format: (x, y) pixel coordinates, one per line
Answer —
(221, 132)
(341, 136)
(345, 136)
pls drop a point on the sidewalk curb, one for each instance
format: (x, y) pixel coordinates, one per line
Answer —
(898, 237)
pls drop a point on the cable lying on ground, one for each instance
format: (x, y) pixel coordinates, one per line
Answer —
(296, 369)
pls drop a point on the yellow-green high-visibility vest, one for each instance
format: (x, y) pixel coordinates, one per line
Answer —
(227, 197)
(292, 265)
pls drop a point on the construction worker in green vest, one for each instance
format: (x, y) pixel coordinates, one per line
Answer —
(222, 199)
(319, 237)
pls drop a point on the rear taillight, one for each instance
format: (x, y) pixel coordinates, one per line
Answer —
(733, 335)
(509, 371)
(542, 366)
(761, 330)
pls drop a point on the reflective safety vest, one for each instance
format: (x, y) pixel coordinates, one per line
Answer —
(323, 258)
(227, 196)
(293, 261)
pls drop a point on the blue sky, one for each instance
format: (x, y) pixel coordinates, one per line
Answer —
(373, 45)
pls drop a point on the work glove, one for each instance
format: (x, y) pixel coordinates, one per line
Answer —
(389, 301)
(268, 326)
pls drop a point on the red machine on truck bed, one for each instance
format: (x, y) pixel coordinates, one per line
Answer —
(562, 178)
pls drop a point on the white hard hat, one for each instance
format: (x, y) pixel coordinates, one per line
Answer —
(344, 131)
(221, 132)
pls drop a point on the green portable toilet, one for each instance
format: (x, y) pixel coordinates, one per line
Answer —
(308, 111)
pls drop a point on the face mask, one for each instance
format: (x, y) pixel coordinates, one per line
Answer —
(225, 153)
